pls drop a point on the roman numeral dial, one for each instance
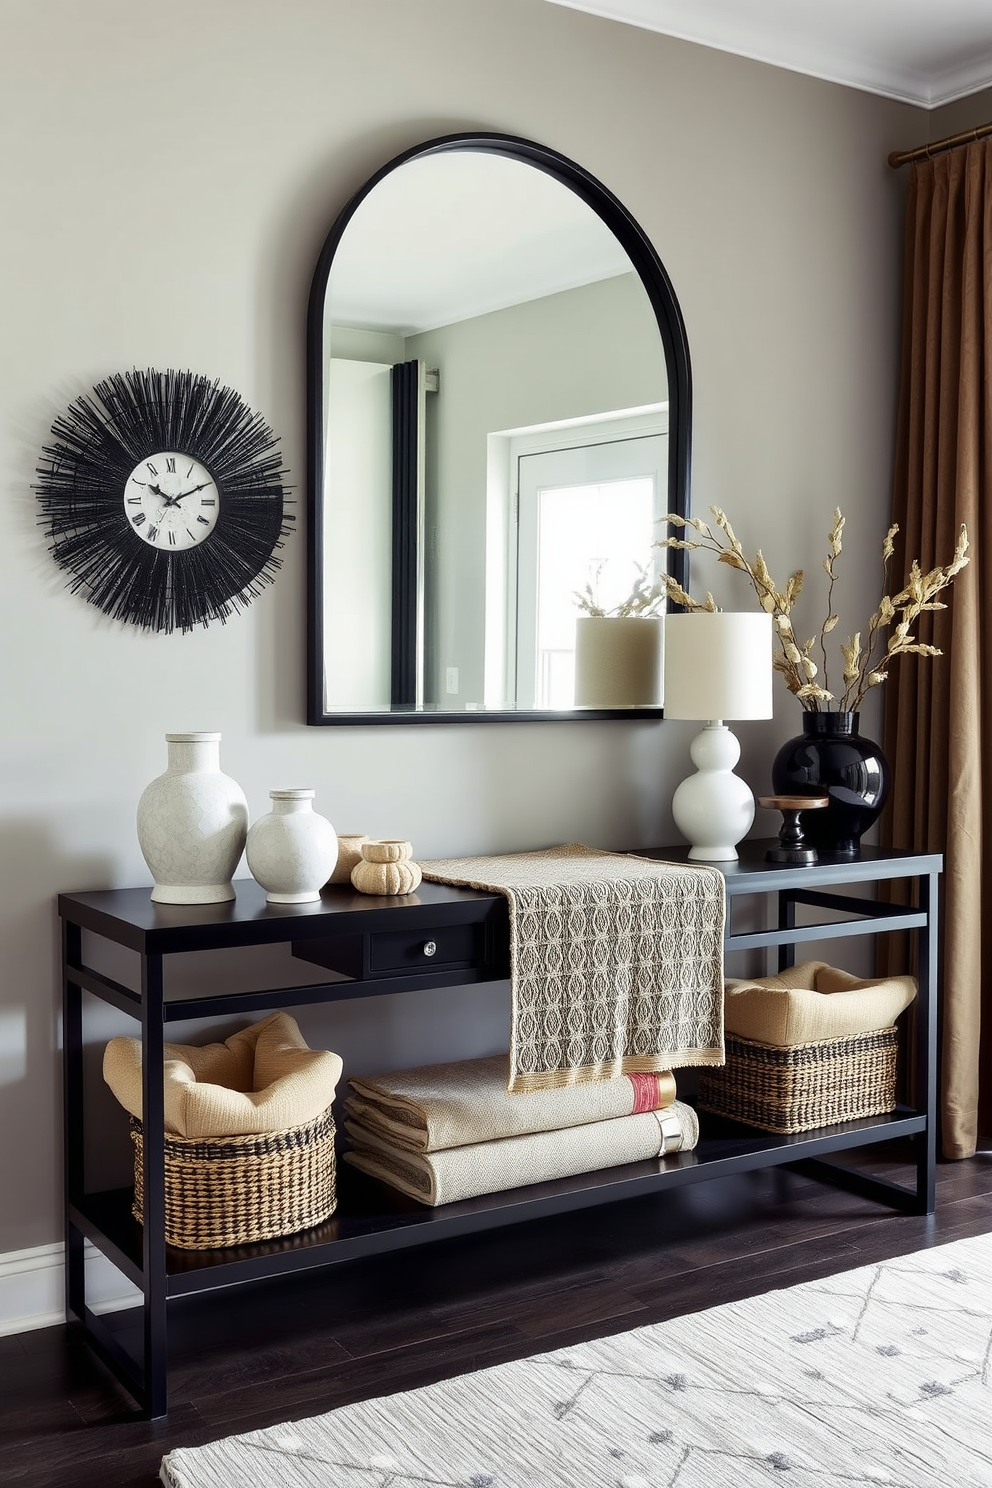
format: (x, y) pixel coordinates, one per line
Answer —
(171, 501)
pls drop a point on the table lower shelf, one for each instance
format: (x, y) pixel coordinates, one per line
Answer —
(372, 1218)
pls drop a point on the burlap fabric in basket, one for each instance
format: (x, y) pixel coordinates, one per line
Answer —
(810, 1047)
(249, 1138)
(813, 1001)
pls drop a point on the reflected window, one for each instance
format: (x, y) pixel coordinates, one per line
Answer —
(585, 536)
(587, 520)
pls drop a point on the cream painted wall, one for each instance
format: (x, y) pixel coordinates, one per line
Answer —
(167, 175)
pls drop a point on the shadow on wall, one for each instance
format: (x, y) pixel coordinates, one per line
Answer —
(33, 869)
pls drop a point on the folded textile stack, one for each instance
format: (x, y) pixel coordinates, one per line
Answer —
(451, 1131)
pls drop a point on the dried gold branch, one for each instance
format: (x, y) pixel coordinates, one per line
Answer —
(835, 540)
(794, 662)
(866, 663)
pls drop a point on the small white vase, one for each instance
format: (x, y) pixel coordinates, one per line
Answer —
(292, 851)
(192, 823)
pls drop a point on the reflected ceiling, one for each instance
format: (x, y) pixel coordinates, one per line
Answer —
(509, 236)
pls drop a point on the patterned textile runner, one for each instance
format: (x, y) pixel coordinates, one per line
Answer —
(616, 962)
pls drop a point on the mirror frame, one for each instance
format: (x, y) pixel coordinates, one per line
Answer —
(671, 326)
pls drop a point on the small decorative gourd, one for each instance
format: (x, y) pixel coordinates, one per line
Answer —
(385, 868)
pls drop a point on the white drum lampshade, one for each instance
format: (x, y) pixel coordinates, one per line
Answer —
(717, 666)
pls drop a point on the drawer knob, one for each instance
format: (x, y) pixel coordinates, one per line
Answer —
(430, 947)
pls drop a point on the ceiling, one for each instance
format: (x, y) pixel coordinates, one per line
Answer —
(925, 52)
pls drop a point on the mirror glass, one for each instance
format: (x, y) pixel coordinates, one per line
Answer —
(490, 445)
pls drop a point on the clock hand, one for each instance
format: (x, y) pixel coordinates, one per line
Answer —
(157, 491)
(192, 492)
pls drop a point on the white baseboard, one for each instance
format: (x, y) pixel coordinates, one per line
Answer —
(32, 1287)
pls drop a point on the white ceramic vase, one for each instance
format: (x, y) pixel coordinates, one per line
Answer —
(292, 851)
(192, 824)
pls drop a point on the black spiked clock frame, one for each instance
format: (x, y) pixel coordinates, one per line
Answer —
(163, 498)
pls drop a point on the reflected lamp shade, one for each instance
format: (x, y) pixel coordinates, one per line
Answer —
(618, 661)
(717, 666)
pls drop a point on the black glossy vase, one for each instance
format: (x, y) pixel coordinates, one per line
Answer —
(832, 759)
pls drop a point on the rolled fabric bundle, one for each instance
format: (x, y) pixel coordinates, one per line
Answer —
(455, 1173)
(454, 1105)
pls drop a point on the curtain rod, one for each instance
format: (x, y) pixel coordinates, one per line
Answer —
(924, 152)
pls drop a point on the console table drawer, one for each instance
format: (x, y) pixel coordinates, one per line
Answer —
(388, 954)
(451, 945)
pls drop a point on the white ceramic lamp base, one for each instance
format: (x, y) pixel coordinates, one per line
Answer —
(714, 808)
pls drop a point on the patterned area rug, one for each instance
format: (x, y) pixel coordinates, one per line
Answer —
(879, 1376)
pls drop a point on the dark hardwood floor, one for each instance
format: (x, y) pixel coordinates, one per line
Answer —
(257, 1356)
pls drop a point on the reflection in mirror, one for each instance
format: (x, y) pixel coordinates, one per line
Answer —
(490, 438)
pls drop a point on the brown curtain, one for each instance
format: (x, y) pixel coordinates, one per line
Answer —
(938, 728)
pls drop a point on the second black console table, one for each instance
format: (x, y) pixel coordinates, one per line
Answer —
(436, 937)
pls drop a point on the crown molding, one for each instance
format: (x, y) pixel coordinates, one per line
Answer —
(826, 42)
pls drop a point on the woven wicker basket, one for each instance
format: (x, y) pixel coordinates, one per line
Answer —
(236, 1190)
(805, 1086)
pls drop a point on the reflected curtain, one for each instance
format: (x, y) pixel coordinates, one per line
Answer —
(938, 728)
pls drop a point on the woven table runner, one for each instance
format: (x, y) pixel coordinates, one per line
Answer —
(616, 962)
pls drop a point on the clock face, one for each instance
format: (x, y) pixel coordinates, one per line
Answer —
(171, 501)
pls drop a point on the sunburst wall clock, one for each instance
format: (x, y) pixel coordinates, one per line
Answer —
(163, 498)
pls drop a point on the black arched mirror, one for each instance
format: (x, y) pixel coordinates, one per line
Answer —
(499, 413)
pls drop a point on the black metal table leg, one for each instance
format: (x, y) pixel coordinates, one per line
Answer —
(786, 921)
(153, 1237)
(72, 1096)
(926, 1043)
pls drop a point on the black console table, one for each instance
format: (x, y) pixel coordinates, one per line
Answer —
(436, 937)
